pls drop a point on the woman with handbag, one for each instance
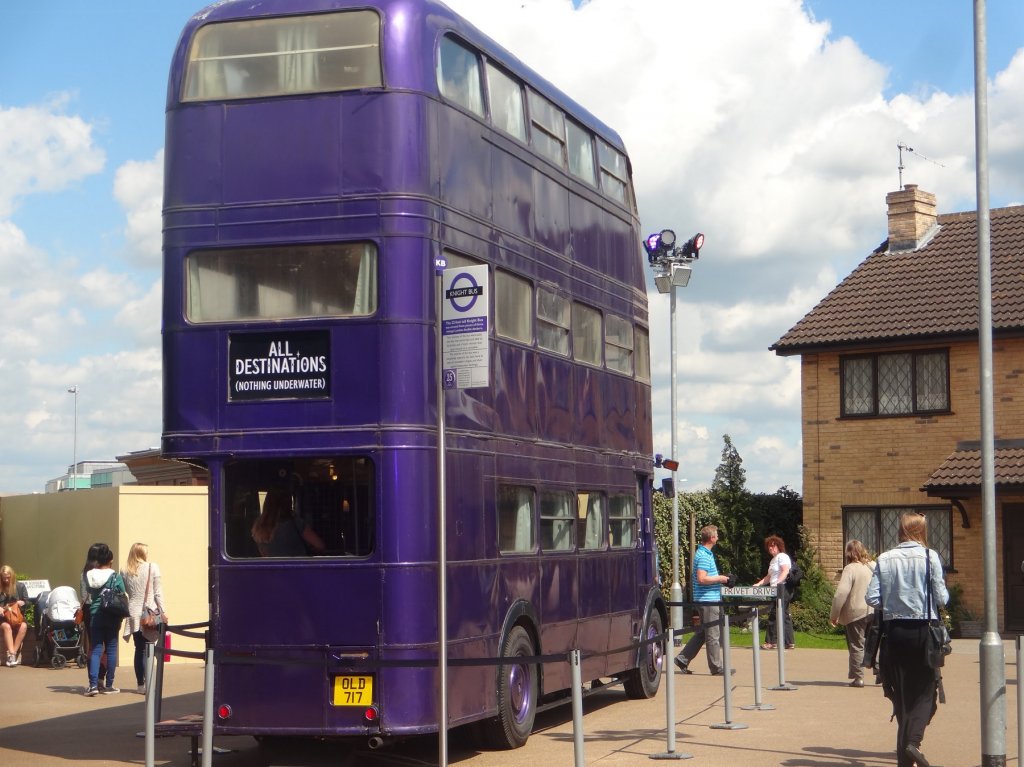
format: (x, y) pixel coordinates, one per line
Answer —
(907, 584)
(108, 605)
(145, 604)
(13, 628)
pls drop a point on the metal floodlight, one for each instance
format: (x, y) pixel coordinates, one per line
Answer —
(663, 282)
(660, 244)
(691, 248)
(680, 277)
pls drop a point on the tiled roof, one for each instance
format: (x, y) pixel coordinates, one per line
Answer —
(962, 469)
(927, 293)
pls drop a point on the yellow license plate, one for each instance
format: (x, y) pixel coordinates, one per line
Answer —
(353, 691)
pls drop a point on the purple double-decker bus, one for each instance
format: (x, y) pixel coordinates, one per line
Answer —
(321, 157)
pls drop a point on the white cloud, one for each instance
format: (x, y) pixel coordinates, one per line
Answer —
(43, 150)
(139, 188)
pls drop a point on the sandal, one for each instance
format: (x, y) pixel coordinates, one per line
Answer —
(767, 646)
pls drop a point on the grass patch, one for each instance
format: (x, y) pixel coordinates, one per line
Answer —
(743, 638)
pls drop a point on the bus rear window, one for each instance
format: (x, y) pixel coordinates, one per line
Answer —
(281, 283)
(299, 508)
(280, 56)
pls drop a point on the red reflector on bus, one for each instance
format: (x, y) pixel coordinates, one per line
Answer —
(224, 711)
(370, 715)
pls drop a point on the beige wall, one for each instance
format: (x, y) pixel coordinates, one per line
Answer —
(48, 536)
(885, 461)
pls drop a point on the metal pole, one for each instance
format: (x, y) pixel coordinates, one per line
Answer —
(992, 660)
(780, 641)
(577, 708)
(74, 443)
(723, 625)
(670, 699)
(756, 629)
(442, 554)
(208, 711)
(677, 588)
(150, 708)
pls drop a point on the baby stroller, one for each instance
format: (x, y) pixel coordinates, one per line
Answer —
(61, 636)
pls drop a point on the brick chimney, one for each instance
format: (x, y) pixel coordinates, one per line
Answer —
(911, 218)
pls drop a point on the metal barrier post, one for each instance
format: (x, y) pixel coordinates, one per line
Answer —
(668, 675)
(577, 708)
(150, 708)
(208, 711)
(756, 629)
(723, 624)
(780, 642)
(158, 682)
(1020, 698)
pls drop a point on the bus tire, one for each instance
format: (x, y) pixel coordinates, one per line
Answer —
(517, 692)
(643, 681)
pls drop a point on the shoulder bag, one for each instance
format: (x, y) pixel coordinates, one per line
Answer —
(939, 644)
(114, 601)
(12, 614)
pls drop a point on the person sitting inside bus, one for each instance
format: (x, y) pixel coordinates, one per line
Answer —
(279, 532)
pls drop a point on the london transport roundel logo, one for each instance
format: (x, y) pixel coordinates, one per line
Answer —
(455, 292)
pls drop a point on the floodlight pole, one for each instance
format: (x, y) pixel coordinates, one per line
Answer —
(677, 587)
(74, 442)
(671, 265)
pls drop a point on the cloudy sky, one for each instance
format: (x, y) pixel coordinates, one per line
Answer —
(770, 125)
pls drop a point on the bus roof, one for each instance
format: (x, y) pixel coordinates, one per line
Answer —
(426, 14)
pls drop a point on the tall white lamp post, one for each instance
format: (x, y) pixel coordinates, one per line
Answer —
(74, 455)
(672, 269)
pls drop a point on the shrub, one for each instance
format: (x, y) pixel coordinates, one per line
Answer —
(812, 605)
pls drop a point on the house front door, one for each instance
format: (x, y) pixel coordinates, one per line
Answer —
(1013, 565)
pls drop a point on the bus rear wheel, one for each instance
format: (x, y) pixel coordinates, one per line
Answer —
(642, 682)
(516, 692)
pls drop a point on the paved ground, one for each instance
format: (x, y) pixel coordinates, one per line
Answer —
(45, 721)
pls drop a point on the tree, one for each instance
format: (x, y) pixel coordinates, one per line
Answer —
(738, 551)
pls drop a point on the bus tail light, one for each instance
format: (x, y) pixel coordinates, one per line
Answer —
(371, 714)
(224, 711)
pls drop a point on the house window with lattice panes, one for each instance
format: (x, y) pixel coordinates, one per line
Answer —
(878, 528)
(903, 383)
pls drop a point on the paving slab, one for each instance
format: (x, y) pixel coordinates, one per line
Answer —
(45, 721)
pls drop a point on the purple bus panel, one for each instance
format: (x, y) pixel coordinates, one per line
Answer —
(319, 157)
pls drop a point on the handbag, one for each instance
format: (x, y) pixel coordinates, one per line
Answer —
(938, 644)
(12, 614)
(151, 619)
(114, 601)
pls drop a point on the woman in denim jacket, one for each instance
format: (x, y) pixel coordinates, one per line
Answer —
(899, 586)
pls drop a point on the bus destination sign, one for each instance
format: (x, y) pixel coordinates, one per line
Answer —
(282, 365)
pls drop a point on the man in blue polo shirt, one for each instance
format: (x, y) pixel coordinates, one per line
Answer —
(707, 587)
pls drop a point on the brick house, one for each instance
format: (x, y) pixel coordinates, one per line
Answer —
(890, 397)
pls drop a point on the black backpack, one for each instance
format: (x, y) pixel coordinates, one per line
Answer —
(795, 577)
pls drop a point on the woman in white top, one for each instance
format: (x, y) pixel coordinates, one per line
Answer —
(778, 571)
(143, 583)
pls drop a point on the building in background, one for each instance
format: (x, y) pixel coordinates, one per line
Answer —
(890, 396)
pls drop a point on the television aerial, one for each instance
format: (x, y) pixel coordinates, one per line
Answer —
(901, 146)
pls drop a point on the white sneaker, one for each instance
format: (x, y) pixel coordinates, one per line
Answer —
(141, 689)
(11, 660)
(109, 691)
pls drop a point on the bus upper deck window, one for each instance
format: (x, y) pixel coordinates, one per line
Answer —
(281, 283)
(506, 99)
(458, 75)
(581, 153)
(614, 174)
(280, 56)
